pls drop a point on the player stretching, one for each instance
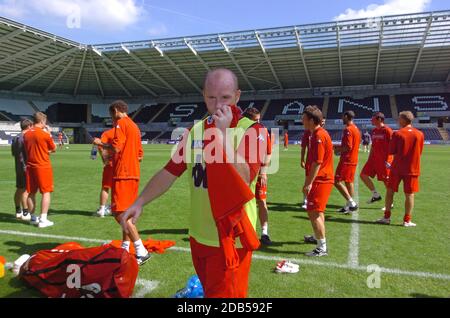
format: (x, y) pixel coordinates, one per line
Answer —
(38, 146)
(107, 178)
(349, 152)
(261, 185)
(379, 159)
(127, 149)
(320, 180)
(406, 146)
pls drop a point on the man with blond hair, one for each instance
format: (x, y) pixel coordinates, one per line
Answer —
(406, 146)
(38, 146)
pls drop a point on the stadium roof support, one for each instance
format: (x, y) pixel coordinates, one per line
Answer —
(154, 74)
(380, 45)
(199, 58)
(114, 77)
(448, 77)
(268, 60)
(131, 77)
(11, 35)
(302, 56)
(422, 45)
(99, 84)
(230, 55)
(38, 75)
(25, 52)
(38, 64)
(60, 75)
(77, 84)
(179, 70)
(338, 41)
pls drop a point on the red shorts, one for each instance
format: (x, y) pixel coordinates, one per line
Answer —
(124, 193)
(217, 281)
(345, 173)
(379, 170)
(39, 179)
(410, 183)
(318, 197)
(107, 179)
(260, 192)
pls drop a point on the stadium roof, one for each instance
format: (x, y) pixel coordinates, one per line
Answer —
(394, 51)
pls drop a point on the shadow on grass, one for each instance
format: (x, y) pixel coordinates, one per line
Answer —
(284, 207)
(9, 218)
(165, 231)
(416, 295)
(71, 212)
(330, 218)
(22, 290)
(21, 248)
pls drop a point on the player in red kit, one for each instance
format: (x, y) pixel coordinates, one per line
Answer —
(320, 180)
(406, 146)
(349, 152)
(379, 159)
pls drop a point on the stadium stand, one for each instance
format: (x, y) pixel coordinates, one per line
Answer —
(363, 108)
(150, 135)
(423, 103)
(287, 107)
(146, 113)
(432, 134)
(14, 110)
(185, 112)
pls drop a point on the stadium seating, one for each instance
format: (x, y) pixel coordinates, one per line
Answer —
(150, 135)
(432, 134)
(183, 112)
(363, 108)
(423, 103)
(290, 107)
(146, 113)
(14, 110)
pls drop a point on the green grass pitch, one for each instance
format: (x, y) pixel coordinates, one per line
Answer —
(414, 261)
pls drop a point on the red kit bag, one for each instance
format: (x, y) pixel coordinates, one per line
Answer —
(71, 271)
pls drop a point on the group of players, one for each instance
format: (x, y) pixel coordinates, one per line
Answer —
(394, 157)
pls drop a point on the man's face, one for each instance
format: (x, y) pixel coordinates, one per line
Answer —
(113, 114)
(401, 122)
(258, 118)
(345, 120)
(306, 122)
(219, 92)
(375, 121)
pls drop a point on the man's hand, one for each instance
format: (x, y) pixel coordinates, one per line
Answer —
(97, 142)
(307, 188)
(263, 177)
(303, 164)
(133, 213)
(223, 118)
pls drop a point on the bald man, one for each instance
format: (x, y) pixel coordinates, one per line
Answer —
(221, 95)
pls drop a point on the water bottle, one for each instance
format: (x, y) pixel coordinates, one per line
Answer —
(193, 289)
(94, 152)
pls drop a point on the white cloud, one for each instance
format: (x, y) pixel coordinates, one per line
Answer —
(390, 7)
(157, 30)
(107, 14)
(10, 9)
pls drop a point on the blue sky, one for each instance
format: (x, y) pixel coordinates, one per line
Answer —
(104, 21)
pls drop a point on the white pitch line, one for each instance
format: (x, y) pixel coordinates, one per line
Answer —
(256, 256)
(353, 250)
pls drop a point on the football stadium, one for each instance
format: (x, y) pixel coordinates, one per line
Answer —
(387, 64)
